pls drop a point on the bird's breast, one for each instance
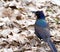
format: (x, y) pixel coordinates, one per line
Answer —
(41, 23)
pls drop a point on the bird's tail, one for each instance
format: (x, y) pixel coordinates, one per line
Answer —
(52, 46)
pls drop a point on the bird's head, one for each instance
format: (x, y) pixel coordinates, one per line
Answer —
(39, 14)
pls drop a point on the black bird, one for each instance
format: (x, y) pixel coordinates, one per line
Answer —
(42, 30)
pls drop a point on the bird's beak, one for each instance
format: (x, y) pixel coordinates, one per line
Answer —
(33, 11)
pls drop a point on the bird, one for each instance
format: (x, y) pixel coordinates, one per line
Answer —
(42, 30)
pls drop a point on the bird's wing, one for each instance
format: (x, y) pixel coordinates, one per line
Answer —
(43, 32)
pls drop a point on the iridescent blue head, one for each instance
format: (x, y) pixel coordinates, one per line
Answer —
(40, 15)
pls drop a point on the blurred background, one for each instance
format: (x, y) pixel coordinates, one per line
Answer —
(17, 25)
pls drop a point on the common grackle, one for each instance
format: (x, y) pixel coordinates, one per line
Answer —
(42, 30)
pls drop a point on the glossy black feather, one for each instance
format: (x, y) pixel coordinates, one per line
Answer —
(42, 30)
